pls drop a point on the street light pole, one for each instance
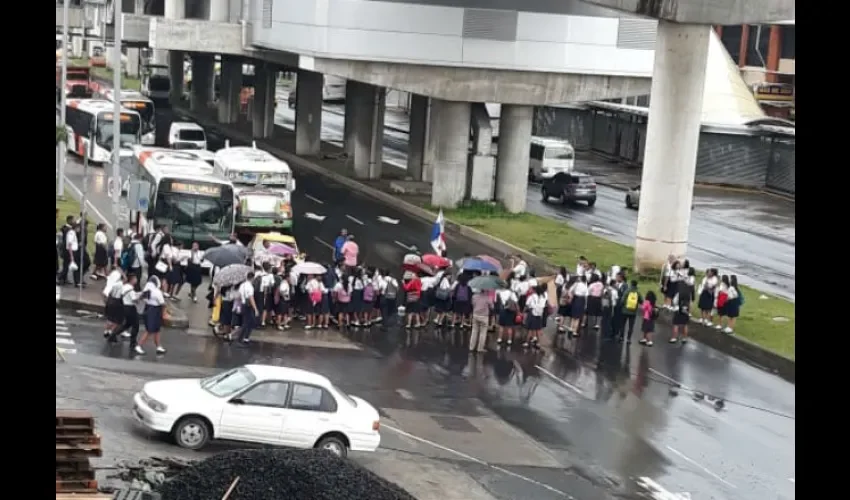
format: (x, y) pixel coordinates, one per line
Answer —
(63, 147)
(116, 95)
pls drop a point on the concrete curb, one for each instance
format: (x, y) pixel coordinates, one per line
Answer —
(732, 345)
(175, 317)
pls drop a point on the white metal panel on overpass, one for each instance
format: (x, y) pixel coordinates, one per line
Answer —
(437, 35)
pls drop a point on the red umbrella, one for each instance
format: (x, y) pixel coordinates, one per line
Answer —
(490, 260)
(418, 268)
(436, 261)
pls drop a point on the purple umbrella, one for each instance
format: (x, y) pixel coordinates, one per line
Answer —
(281, 249)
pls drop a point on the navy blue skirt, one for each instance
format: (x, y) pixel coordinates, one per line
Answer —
(565, 310)
(153, 319)
(442, 306)
(225, 315)
(533, 322)
(577, 307)
(356, 304)
(282, 306)
(462, 307)
(507, 318)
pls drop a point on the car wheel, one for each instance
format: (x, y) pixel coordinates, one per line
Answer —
(333, 445)
(191, 433)
(591, 202)
(628, 201)
(544, 194)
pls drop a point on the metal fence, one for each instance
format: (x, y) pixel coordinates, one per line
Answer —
(754, 161)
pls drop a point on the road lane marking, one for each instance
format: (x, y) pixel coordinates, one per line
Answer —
(64, 341)
(476, 460)
(387, 220)
(64, 350)
(699, 466)
(88, 203)
(402, 245)
(562, 381)
(320, 202)
(324, 243)
(312, 216)
(60, 322)
(63, 334)
(355, 220)
(405, 394)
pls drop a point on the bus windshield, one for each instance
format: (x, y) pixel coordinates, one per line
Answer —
(194, 211)
(144, 108)
(130, 128)
(272, 179)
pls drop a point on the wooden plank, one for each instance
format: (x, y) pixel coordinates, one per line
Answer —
(76, 455)
(77, 446)
(71, 439)
(73, 413)
(82, 486)
(79, 475)
(83, 496)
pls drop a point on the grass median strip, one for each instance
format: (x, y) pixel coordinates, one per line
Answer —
(765, 320)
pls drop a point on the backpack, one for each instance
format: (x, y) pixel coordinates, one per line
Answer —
(722, 298)
(128, 257)
(606, 298)
(442, 293)
(369, 293)
(462, 293)
(392, 290)
(740, 298)
(343, 296)
(632, 300)
(654, 313)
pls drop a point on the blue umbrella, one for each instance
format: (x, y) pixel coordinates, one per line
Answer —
(478, 265)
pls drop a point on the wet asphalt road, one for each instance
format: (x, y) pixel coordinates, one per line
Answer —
(574, 410)
(751, 235)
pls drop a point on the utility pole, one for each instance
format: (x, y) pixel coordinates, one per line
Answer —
(63, 147)
(116, 96)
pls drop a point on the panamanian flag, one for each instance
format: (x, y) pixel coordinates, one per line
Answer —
(438, 236)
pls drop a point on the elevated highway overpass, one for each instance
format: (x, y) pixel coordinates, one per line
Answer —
(454, 55)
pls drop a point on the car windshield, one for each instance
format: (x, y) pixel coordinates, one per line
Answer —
(558, 153)
(191, 135)
(344, 395)
(228, 383)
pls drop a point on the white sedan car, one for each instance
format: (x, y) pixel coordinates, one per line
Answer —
(259, 404)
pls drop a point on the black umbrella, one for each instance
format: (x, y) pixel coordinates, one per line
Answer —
(226, 255)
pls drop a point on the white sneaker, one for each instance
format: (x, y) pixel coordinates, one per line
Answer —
(126, 335)
(727, 330)
(718, 327)
(160, 350)
(139, 350)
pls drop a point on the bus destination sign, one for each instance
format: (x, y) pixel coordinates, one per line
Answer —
(108, 117)
(134, 104)
(196, 188)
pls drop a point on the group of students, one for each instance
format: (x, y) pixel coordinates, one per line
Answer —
(718, 297)
(126, 306)
(349, 296)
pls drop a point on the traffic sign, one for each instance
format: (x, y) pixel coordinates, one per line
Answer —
(142, 205)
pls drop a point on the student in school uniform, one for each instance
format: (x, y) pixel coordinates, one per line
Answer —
(313, 287)
(175, 272)
(248, 310)
(342, 297)
(508, 304)
(283, 295)
(101, 252)
(193, 271)
(116, 248)
(389, 296)
(357, 285)
(442, 298)
(682, 313)
(113, 309)
(154, 304)
(535, 308)
(731, 306)
(130, 299)
(578, 305)
(594, 299)
(671, 284)
(706, 293)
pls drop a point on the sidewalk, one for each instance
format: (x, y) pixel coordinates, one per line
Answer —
(91, 299)
(337, 167)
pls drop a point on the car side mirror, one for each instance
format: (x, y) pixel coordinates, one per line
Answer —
(237, 401)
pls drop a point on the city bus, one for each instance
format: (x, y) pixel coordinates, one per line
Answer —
(263, 185)
(131, 99)
(93, 118)
(186, 195)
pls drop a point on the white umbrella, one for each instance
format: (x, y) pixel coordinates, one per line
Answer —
(309, 268)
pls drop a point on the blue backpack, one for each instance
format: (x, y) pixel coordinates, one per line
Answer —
(128, 256)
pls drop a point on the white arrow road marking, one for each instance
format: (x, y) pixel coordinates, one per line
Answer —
(658, 492)
(62, 334)
(355, 220)
(311, 215)
(402, 245)
(387, 220)
(320, 202)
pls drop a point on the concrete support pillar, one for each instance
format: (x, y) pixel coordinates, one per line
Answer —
(672, 139)
(515, 125)
(774, 53)
(308, 113)
(175, 9)
(348, 128)
(367, 130)
(262, 119)
(419, 105)
(743, 47)
(230, 90)
(175, 70)
(77, 46)
(450, 138)
(482, 163)
(133, 62)
(219, 10)
(202, 81)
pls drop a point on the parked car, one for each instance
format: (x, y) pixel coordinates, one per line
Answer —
(570, 187)
(633, 198)
(259, 404)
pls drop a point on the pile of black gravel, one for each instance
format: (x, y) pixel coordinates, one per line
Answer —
(279, 475)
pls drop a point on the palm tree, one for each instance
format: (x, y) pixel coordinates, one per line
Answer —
(61, 134)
